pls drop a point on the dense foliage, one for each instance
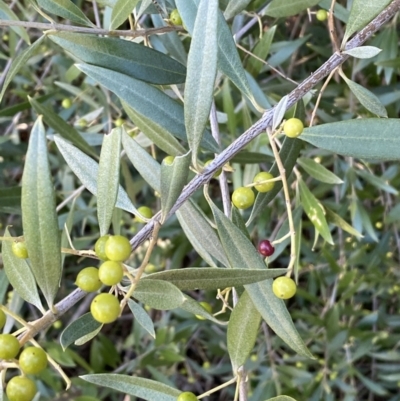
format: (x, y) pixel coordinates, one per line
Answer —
(149, 121)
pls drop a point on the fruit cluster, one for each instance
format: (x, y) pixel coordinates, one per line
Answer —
(112, 250)
(31, 361)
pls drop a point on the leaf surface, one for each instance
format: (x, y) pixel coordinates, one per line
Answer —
(287, 8)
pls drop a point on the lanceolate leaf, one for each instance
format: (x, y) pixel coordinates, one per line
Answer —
(86, 169)
(84, 325)
(281, 398)
(121, 11)
(242, 252)
(235, 7)
(20, 61)
(202, 68)
(129, 58)
(108, 178)
(149, 390)
(366, 98)
(20, 275)
(318, 171)
(229, 62)
(143, 162)
(141, 316)
(158, 294)
(65, 9)
(60, 126)
(173, 179)
(204, 278)
(335, 219)
(242, 332)
(362, 12)
(39, 215)
(287, 8)
(314, 211)
(154, 107)
(363, 51)
(200, 233)
(367, 138)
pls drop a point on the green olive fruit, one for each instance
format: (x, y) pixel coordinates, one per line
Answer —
(263, 186)
(284, 287)
(243, 197)
(19, 249)
(105, 308)
(175, 17)
(293, 127)
(117, 248)
(9, 346)
(32, 360)
(111, 273)
(88, 279)
(21, 388)
(99, 247)
(146, 212)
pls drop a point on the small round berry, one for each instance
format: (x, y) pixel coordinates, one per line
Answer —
(32, 360)
(66, 103)
(19, 250)
(293, 127)
(243, 197)
(119, 122)
(21, 388)
(150, 268)
(284, 287)
(3, 319)
(99, 247)
(187, 396)
(9, 346)
(82, 122)
(88, 279)
(265, 248)
(169, 160)
(146, 212)
(322, 15)
(217, 173)
(105, 308)
(207, 307)
(111, 273)
(175, 17)
(117, 248)
(264, 186)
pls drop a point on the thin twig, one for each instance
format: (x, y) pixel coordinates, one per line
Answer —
(94, 31)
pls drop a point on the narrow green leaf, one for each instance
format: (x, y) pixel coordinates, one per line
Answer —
(158, 294)
(63, 128)
(318, 171)
(143, 162)
(146, 389)
(20, 275)
(121, 11)
(108, 178)
(361, 13)
(156, 112)
(287, 8)
(8, 14)
(363, 51)
(234, 7)
(193, 278)
(315, 212)
(159, 136)
(86, 169)
(281, 398)
(241, 252)
(39, 215)
(202, 69)
(335, 219)
(377, 182)
(200, 233)
(192, 306)
(366, 98)
(261, 50)
(66, 9)
(243, 326)
(173, 178)
(229, 62)
(80, 327)
(120, 55)
(367, 138)
(20, 61)
(288, 154)
(4, 282)
(10, 200)
(142, 317)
